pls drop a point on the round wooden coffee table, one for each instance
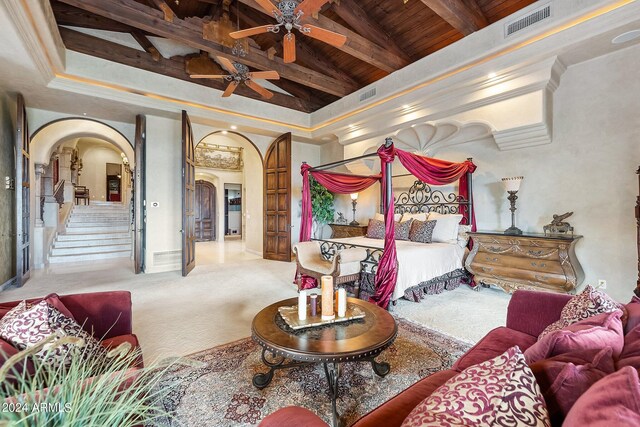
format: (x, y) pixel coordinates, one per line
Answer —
(355, 340)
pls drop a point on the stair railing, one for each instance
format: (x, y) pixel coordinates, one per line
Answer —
(58, 193)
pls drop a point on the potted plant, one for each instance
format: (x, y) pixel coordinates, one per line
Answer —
(322, 207)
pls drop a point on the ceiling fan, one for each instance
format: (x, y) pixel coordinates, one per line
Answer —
(290, 14)
(240, 73)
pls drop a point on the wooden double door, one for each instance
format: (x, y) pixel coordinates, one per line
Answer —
(205, 211)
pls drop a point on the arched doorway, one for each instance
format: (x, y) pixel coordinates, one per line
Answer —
(232, 163)
(83, 176)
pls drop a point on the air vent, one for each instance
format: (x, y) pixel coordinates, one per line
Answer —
(368, 94)
(537, 15)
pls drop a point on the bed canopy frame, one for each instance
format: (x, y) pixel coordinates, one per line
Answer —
(379, 269)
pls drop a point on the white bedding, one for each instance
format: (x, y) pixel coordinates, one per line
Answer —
(417, 262)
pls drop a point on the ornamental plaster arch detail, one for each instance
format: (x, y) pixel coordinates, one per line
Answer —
(48, 137)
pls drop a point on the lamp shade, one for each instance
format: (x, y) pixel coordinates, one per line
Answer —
(513, 183)
(354, 196)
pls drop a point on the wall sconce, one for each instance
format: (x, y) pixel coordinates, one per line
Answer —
(512, 185)
(354, 202)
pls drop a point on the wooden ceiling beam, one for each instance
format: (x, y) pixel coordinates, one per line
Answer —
(169, 14)
(463, 15)
(305, 54)
(74, 17)
(174, 67)
(356, 45)
(354, 15)
(146, 44)
(189, 32)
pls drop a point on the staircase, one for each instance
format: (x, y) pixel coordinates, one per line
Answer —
(98, 231)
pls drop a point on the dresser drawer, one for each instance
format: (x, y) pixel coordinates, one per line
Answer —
(529, 277)
(520, 262)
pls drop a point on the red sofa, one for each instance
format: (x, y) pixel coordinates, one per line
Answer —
(528, 314)
(105, 315)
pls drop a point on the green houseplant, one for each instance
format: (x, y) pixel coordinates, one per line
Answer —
(89, 391)
(322, 206)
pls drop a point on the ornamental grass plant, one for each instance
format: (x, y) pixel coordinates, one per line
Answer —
(90, 390)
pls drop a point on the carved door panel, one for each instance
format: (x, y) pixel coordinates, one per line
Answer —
(205, 211)
(139, 202)
(188, 197)
(23, 194)
(277, 200)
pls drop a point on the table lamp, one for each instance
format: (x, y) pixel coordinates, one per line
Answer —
(512, 185)
(354, 202)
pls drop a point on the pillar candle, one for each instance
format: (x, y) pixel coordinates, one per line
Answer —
(302, 305)
(327, 297)
(314, 305)
(342, 302)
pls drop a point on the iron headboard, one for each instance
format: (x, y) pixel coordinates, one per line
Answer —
(420, 197)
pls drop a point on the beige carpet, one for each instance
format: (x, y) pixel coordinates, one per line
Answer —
(176, 316)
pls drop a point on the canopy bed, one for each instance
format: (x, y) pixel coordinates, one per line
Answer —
(393, 269)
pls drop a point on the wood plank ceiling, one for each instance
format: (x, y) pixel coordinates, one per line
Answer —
(382, 36)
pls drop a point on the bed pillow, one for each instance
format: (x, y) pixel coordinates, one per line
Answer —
(586, 304)
(630, 355)
(402, 230)
(421, 231)
(421, 216)
(500, 391)
(446, 230)
(463, 235)
(375, 229)
(612, 401)
(380, 217)
(596, 332)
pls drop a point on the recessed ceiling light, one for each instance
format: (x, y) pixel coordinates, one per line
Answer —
(224, 132)
(352, 126)
(626, 37)
(406, 107)
(234, 127)
(492, 75)
(84, 114)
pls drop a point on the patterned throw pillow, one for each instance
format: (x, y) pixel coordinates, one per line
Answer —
(498, 392)
(422, 231)
(463, 235)
(589, 303)
(401, 231)
(375, 229)
(25, 326)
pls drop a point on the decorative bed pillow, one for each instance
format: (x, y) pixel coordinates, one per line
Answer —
(26, 326)
(596, 332)
(402, 230)
(421, 216)
(564, 378)
(463, 235)
(630, 355)
(375, 229)
(446, 230)
(589, 303)
(380, 217)
(612, 401)
(499, 392)
(51, 299)
(421, 231)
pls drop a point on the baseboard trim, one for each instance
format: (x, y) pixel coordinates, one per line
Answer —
(8, 283)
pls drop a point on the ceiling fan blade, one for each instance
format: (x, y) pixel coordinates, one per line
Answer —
(250, 31)
(310, 7)
(262, 91)
(229, 90)
(267, 75)
(269, 7)
(289, 47)
(227, 65)
(207, 76)
(334, 39)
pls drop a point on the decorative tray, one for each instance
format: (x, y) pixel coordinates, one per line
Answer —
(290, 315)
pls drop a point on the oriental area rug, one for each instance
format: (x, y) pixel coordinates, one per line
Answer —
(213, 387)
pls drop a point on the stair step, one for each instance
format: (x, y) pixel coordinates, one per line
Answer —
(76, 220)
(97, 229)
(58, 259)
(92, 236)
(82, 250)
(98, 224)
(77, 243)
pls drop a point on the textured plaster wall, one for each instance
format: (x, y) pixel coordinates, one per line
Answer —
(94, 170)
(7, 197)
(589, 169)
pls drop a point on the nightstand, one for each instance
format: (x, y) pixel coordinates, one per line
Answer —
(345, 230)
(526, 261)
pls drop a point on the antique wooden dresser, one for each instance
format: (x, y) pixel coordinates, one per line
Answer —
(527, 261)
(344, 230)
